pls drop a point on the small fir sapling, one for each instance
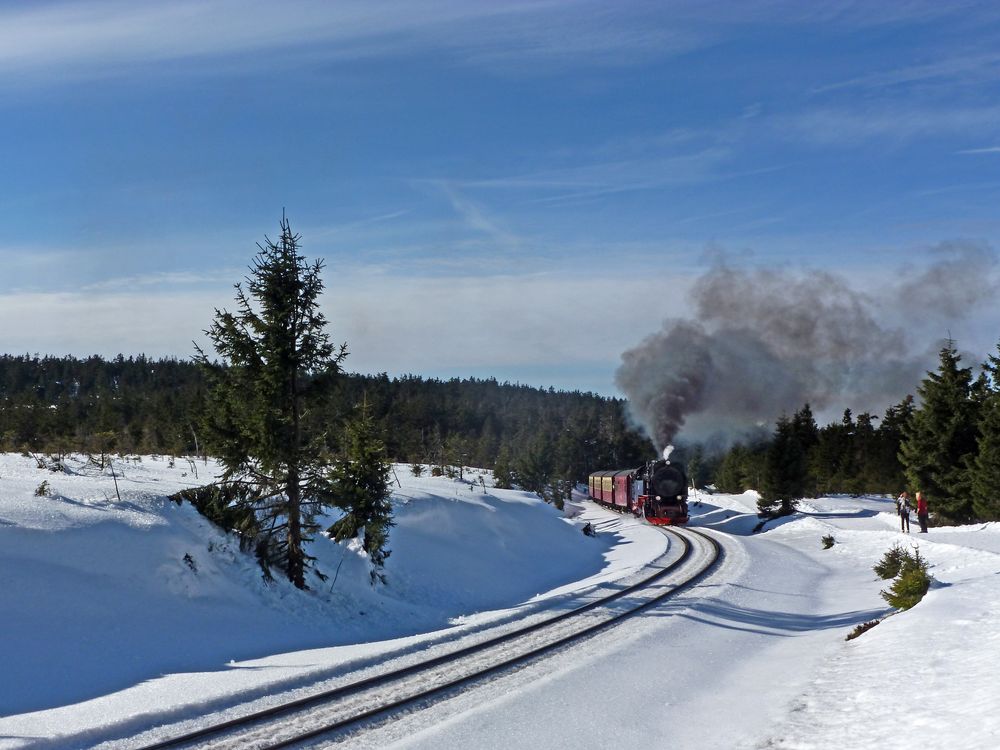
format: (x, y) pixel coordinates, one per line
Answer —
(911, 585)
(888, 567)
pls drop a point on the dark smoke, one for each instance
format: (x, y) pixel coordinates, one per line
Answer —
(762, 343)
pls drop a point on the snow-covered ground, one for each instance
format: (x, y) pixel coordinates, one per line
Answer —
(119, 615)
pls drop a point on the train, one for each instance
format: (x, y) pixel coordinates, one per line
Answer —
(656, 491)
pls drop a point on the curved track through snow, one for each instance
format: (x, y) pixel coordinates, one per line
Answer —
(335, 712)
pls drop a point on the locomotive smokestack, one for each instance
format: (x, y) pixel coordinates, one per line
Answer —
(762, 343)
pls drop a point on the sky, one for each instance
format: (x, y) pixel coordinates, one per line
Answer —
(522, 190)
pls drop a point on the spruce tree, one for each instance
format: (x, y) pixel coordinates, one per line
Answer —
(275, 359)
(784, 465)
(503, 472)
(533, 465)
(866, 471)
(786, 468)
(730, 475)
(830, 460)
(940, 438)
(888, 438)
(362, 484)
(984, 469)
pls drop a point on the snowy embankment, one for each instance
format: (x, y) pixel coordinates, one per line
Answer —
(120, 614)
(119, 610)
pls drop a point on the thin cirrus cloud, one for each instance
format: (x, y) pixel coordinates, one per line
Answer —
(73, 40)
(101, 37)
(849, 125)
(96, 33)
(947, 71)
(166, 280)
(985, 150)
(610, 177)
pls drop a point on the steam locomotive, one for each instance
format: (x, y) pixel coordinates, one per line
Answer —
(657, 491)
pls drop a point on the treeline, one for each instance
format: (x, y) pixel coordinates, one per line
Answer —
(142, 405)
(853, 456)
(945, 444)
(128, 405)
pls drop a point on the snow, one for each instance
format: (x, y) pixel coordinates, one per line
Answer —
(109, 631)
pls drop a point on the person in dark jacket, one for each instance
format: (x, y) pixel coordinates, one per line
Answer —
(922, 512)
(904, 512)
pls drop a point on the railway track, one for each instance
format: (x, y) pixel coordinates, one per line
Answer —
(335, 712)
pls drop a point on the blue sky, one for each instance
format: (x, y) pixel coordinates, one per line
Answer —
(517, 189)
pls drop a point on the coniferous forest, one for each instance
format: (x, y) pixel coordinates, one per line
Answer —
(143, 405)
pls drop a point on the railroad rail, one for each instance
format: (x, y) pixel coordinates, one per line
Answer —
(348, 707)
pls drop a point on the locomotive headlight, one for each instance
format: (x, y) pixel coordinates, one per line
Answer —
(657, 498)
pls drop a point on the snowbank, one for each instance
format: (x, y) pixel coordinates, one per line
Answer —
(99, 595)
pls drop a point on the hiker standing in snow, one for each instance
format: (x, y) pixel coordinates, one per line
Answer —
(904, 512)
(922, 512)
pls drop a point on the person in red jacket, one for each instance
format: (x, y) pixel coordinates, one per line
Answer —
(922, 512)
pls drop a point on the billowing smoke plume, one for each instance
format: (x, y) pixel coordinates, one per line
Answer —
(762, 343)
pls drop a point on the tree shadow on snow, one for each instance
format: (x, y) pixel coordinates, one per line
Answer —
(862, 513)
(766, 622)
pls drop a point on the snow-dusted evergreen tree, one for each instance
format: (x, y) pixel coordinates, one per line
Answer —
(275, 354)
(503, 472)
(786, 467)
(731, 474)
(984, 469)
(889, 470)
(940, 437)
(361, 480)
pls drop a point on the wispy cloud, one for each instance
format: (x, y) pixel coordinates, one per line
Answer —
(68, 41)
(350, 228)
(479, 220)
(74, 40)
(158, 282)
(593, 180)
(967, 68)
(986, 150)
(850, 125)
